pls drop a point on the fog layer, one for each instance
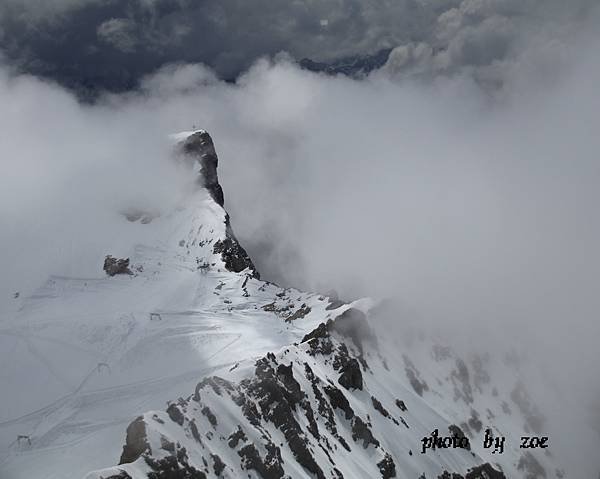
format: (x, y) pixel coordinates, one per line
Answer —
(472, 208)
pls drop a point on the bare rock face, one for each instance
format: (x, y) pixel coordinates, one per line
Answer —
(136, 442)
(114, 266)
(199, 147)
(232, 253)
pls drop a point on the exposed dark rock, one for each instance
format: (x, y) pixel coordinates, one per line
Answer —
(199, 148)
(387, 467)
(338, 473)
(324, 408)
(249, 409)
(218, 465)
(194, 431)
(401, 405)
(286, 375)
(485, 471)
(278, 394)
(209, 415)
(321, 331)
(167, 445)
(339, 401)
(299, 313)
(379, 407)
(233, 255)
(270, 468)
(175, 414)
(173, 467)
(351, 377)
(114, 266)
(270, 308)
(447, 475)
(310, 415)
(360, 431)
(236, 437)
(136, 442)
(322, 346)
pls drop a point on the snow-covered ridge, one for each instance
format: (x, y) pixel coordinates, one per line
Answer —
(333, 405)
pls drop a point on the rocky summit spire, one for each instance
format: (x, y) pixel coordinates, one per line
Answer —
(200, 147)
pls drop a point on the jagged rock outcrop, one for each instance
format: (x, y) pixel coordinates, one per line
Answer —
(114, 266)
(199, 148)
(233, 254)
(135, 443)
(284, 395)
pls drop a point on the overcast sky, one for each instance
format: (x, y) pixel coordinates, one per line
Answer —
(461, 179)
(91, 44)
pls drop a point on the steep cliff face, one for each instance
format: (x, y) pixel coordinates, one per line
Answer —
(198, 150)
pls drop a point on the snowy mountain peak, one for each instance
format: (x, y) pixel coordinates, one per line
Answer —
(196, 148)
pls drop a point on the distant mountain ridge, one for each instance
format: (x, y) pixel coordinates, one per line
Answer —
(354, 66)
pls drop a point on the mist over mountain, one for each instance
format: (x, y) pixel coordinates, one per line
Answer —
(437, 159)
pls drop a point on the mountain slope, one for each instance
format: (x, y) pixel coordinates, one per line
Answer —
(320, 408)
(242, 378)
(83, 356)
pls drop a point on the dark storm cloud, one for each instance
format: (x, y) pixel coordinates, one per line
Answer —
(111, 44)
